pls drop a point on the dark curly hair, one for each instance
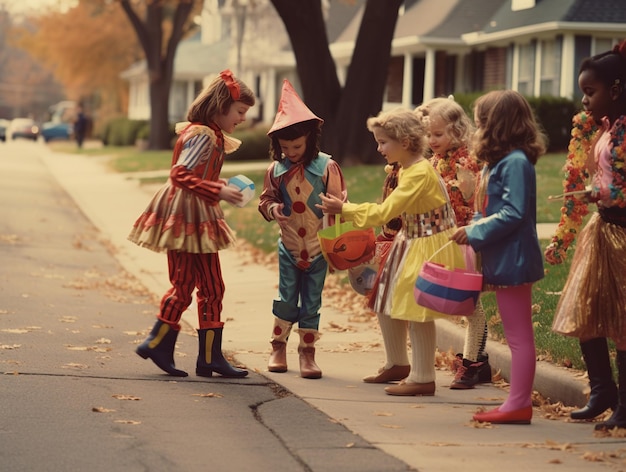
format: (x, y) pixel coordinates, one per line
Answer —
(312, 129)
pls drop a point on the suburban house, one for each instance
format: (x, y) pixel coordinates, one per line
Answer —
(440, 47)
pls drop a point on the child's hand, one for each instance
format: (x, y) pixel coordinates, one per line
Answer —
(230, 195)
(331, 205)
(460, 236)
(279, 216)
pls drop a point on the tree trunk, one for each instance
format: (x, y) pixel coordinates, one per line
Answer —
(346, 110)
(160, 61)
(306, 28)
(363, 93)
(159, 116)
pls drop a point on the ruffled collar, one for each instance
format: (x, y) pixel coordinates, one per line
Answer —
(230, 144)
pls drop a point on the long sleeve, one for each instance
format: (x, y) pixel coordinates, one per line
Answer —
(270, 196)
(198, 151)
(414, 194)
(511, 194)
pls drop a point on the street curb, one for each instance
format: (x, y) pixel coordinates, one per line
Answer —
(556, 384)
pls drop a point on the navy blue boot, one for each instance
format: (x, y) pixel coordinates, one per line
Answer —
(618, 417)
(159, 347)
(603, 389)
(210, 357)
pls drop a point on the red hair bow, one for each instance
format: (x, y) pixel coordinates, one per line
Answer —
(231, 83)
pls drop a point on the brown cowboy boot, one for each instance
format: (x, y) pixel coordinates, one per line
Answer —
(280, 335)
(306, 351)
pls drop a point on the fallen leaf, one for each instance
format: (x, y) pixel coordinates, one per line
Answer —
(73, 365)
(208, 395)
(120, 396)
(127, 422)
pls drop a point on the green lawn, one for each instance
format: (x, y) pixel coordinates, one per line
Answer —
(364, 183)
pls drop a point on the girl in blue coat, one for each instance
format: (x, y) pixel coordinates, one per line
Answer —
(504, 234)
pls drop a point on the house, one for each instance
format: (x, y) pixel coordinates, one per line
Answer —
(439, 47)
(198, 58)
(442, 47)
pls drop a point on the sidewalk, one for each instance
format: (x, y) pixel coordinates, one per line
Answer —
(427, 433)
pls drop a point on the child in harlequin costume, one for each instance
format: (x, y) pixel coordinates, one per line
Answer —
(592, 306)
(428, 222)
(184, 218)
(449, 132)
(298, 174)
(504, 234)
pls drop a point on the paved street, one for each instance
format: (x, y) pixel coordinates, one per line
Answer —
(77, 298)
(75, 397)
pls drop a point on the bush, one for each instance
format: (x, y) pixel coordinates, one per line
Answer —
(255, 144)
(555, 116)
(122, 131)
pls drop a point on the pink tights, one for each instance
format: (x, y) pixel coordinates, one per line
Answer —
(515, 306)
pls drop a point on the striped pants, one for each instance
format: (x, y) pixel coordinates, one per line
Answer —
(188, 271)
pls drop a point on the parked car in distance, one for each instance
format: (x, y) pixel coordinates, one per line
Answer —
(23, 128)
(56, 130)
(4, 124)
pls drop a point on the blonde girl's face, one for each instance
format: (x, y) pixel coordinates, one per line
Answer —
(293, 149)
(439, 139)
(391, 149)
(235, 116)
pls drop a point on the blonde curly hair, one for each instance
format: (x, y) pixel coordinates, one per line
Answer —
(401, 124)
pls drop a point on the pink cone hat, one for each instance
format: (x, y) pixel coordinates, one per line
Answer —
(291, 109)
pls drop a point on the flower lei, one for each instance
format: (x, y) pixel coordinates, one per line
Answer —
(617, 186)
(450, 167)
(576, 175)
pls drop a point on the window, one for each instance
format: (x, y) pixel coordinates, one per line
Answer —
(526, 63)
(550, 67)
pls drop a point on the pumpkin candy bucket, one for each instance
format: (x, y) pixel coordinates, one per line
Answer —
(345, 246)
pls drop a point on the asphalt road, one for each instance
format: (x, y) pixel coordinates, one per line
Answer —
(75, 397)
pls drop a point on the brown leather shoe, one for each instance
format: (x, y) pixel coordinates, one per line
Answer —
(394, 373)
(308, 367)
(278, 357)
(408, 388)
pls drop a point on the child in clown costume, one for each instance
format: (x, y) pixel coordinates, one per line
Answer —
(298, 174)
(184, 218)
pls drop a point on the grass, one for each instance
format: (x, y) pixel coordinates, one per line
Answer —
(364, 183)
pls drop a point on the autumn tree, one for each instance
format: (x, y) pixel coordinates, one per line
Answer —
(163, 26)
(346, 109)
(87, 47)
(26, 87)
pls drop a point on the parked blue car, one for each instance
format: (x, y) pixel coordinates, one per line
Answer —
(56, 130)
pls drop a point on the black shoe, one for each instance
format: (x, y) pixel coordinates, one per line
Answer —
(469, 373)
(484, 371)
